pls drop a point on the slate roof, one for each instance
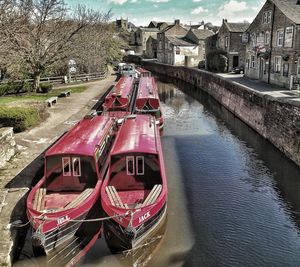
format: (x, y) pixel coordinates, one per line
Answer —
(202, 34)
(149, 29)
(237, 27)
(289, 8)
(180, 41)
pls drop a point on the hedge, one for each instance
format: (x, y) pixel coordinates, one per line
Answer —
(14, 88)
(18, 117)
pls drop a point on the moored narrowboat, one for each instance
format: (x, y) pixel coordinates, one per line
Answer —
(147, 99)
(135, 186)
(143, 72)
(118, 99)
(60, 204)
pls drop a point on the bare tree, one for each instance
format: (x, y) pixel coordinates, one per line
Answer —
(41, 32)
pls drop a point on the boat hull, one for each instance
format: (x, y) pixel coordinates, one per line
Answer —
(120, 239)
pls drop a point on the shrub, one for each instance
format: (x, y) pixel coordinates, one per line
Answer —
(14, 88)
(46, 87)
(217, 61)
(18, 117)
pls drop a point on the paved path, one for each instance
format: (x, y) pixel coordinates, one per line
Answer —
(263, 88)
(16, 177)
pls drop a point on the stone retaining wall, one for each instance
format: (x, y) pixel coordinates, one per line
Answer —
(7, 145)
(276, 119)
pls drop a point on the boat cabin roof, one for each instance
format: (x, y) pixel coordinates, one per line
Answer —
(147, 88)
(83, 138)
(122, 88)
(136, 135)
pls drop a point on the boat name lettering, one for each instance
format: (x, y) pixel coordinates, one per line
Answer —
(144, 217)
(63, 219)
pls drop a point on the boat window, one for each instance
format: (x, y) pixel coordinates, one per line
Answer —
(66, 166)
(140, 165)
(130, 165)
(76, 167)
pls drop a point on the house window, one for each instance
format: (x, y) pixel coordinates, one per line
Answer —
(252, 62)
(277, 64)
(298, 67)
(288, 36)
(248, 63)
(267, 38)
(253, 37)
(177, 50)
(267, 16)
(226, 41)
(280, 38)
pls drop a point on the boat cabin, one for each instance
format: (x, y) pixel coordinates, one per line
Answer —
(147, 98)
(119, 97)
(129, 70)
(143, 73)
(74, 165)
(136, 166)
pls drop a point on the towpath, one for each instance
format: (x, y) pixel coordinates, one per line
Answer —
(16, 177)
(263, 88)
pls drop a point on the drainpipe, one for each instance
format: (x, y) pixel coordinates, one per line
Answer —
(271, 43)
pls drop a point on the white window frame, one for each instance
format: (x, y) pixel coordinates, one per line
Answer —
(137, 165)
(298, 67)
(64, 164)
(267, 17)
(267, 38)
(79, 166)
(128, 159)
(277, 64)
(285, 35)
(226, 41)
(280, 37)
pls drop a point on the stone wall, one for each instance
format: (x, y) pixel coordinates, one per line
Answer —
(7, 145)
(277, 120)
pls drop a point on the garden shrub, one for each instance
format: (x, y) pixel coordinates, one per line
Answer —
(20, 118)
(217, 61)
(46, 87)
(14, 88)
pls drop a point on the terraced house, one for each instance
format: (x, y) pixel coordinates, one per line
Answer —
(273, 44)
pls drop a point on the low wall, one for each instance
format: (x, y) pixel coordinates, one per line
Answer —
(7, 145)
(277, 120)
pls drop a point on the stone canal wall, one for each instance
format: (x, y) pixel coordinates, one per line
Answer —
(276, 119)
(7, 145)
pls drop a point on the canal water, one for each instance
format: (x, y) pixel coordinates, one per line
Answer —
(234, 200)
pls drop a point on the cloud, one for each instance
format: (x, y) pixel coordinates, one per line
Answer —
(159, 1)
(197, 1)
(231, 9)
(119, 2)
(199, 10)
(156, 6)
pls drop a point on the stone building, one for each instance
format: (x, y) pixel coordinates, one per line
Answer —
(273, 43)
(141, 36)
(198, 36)
(151, 47)
(229, 39)
(164, 51)
(159, 25)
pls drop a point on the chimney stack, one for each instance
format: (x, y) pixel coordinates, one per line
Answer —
(177, 22)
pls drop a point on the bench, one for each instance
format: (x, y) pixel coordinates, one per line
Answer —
(65, 94)
(38, 203)
(114, 197)
(52, 100)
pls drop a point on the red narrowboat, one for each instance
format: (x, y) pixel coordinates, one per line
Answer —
(60, 204)
(142, 72)
(147, 99)
(135, 187)
(119, 97)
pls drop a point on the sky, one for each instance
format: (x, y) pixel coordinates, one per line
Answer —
(141, 12)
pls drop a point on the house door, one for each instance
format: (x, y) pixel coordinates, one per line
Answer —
(261, 68)
(235, 62)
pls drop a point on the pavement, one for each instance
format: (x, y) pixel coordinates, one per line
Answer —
(263, 88)
(18, 174)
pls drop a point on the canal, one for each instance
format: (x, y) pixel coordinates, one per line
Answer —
(234, 200)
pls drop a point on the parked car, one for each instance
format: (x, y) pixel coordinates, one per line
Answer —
(238, 70)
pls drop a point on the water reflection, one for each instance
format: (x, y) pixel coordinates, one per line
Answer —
(242, 194)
